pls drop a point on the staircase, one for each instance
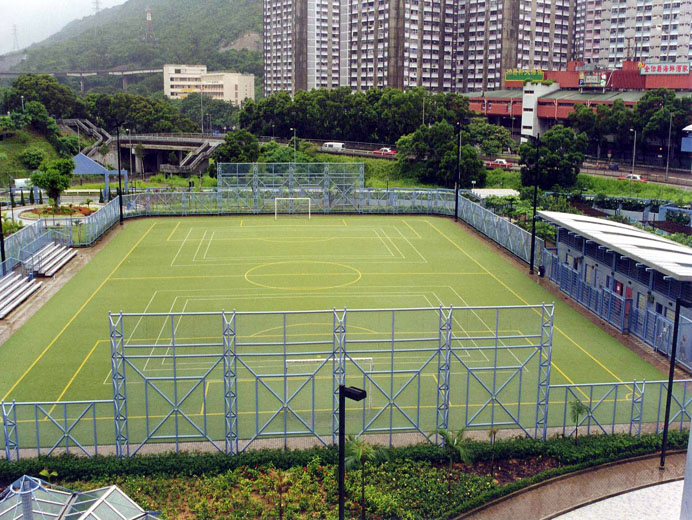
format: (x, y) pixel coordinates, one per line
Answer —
(88, 128)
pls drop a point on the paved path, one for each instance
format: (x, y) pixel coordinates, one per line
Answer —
(563, 494)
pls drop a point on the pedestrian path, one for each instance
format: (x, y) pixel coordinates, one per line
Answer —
(597, 487)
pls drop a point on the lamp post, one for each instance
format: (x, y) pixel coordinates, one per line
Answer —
(2, 243)
(537, 140)
(120, 186)
(129, 139)
(294, 145)
(22, 103)
(634, 148)
(670, 129)
(679, 302)
(201, 107)
(356, 394)
(458, 179)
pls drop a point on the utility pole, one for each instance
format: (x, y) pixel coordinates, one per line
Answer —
(15, 38)
(97, 6)
(670, 128)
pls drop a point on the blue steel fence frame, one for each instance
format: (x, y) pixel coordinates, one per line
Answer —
(86, 231)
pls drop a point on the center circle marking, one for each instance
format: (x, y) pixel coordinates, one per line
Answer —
(297, 268)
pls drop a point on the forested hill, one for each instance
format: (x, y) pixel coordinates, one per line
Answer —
(186, 31)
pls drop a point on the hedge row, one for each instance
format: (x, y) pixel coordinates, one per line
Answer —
(564, 450)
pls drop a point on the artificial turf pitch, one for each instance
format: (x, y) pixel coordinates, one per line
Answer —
(257, 263)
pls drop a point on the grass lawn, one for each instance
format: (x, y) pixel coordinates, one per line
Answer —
(13, 148)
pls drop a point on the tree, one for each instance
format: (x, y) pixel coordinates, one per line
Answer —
(54, 177)
(58, 99)
(360, 453)
(429, 154)
(33, 157)
(576, 410)
(561, 155)
(491, 139)
(455, 446)
(238, 147)
(471, 167)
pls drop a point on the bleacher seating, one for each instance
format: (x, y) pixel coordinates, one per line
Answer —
(14, 289)
(50, 259)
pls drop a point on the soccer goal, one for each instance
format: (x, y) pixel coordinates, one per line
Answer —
(292, 206)
(366, 365)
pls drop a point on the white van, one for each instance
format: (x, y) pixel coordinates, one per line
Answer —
(332, 146)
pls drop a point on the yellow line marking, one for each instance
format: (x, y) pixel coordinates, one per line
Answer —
(74, 316)
(241, 222)
(192, 276)
(174, 230)
(524, 301)
(206, 391)
(74, 376)
(411, 228)
(344, 221)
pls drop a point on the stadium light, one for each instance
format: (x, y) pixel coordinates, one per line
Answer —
(458, 180)
(679, 302)
(537, 140)
(355, 394)
(120, 185)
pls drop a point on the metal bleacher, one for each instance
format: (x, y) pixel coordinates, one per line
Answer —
(50, 259)
(14, 289)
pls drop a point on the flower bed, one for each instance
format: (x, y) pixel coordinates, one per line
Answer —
(63, 211)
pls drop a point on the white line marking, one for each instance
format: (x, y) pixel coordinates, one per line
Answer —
(181, 247)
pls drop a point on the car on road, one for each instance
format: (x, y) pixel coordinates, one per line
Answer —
(384, 151)
(499, 163)
(633, 177)
(613, 166)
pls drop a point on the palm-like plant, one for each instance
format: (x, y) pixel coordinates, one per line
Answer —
(359, 453)
(454, 445)
(576, 410)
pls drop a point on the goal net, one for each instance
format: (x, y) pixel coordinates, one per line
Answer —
(356, 370)
(292, 206)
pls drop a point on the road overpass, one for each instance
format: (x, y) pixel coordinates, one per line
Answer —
(81, 74)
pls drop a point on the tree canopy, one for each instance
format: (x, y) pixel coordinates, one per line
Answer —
(430, 155)
(561, 153)
(54, 177)
(238, 147)
(376, 115)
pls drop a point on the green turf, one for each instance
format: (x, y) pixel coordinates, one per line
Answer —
(257, 263)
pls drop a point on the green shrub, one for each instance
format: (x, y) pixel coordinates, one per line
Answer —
(33, 157)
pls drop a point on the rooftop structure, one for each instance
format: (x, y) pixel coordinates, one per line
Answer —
(655, 252)
(31, 498)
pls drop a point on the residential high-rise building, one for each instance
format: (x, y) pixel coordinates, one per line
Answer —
(181, 80)
(441, 45)
(646, 30)
(301, 44)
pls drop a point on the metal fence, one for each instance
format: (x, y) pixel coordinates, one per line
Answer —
(652, 328)
(499, 230)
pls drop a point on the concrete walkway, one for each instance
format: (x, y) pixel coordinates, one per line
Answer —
(558, 496)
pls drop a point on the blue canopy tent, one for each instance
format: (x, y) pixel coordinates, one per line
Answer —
(86, 166)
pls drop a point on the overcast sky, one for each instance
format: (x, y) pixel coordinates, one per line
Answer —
(38, 19)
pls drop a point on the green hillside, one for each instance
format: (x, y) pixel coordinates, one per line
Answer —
(11, 149)
(186, 32)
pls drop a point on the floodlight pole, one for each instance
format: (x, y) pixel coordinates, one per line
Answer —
(2, 243)
(537, 139)
(458, 181)
(676, 325)
(356, 394)
(120, 185)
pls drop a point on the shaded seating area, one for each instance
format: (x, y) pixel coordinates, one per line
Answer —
(14, 289)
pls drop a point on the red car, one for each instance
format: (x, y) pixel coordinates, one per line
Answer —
(499, 163)
(384, 151)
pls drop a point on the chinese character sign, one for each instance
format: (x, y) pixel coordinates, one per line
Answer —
(648, 69)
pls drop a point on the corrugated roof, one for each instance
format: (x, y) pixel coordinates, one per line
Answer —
(516, 93)
(668, 257)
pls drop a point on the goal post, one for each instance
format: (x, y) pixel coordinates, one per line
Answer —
(365, 365)
(292, 205)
